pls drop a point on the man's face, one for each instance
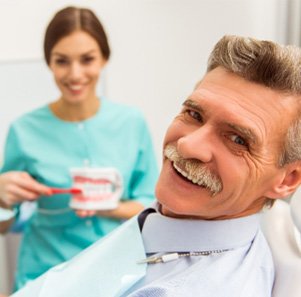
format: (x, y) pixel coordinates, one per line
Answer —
(232, 131)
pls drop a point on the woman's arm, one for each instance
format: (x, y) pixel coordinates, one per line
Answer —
(5, 225)
(124, 211)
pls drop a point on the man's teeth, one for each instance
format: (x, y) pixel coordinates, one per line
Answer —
(180, 170)
(185, 174)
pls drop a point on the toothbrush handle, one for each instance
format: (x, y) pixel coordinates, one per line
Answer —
(65, 191)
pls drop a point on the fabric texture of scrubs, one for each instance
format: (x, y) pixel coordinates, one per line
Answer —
(47, 147)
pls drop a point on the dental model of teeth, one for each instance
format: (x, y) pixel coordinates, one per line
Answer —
(100, 191)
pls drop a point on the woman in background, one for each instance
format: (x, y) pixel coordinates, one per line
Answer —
(76, 130)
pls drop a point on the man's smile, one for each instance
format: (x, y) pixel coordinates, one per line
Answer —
(187, 176)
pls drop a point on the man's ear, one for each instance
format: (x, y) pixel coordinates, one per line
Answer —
(288, 182)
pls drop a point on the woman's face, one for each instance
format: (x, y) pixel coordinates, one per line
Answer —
(76, 62)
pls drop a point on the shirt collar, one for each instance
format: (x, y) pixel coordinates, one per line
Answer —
(166, 234)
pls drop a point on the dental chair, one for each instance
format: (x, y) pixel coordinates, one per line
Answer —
(281, 226)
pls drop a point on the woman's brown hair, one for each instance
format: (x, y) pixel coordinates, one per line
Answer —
(69, 20)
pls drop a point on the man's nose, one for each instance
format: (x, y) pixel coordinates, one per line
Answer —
(197, 144)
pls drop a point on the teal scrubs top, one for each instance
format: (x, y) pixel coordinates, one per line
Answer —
(47, 147)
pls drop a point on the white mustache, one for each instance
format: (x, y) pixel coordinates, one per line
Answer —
(195, 169)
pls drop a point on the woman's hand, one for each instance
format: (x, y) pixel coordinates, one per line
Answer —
(18, 186)
(124, 211)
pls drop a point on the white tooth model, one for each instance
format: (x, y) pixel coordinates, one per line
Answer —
(101, 188)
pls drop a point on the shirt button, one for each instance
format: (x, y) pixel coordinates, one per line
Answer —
(88, 223)
(80, 126)
(86, 162)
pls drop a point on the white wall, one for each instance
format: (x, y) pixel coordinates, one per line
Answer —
(160, 48)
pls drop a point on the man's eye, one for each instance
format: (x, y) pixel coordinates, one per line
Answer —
(238, 140)
(195, 115)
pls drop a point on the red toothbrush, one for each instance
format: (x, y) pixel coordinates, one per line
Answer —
(65, 191)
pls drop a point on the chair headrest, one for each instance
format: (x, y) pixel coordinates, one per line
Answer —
(295, 209)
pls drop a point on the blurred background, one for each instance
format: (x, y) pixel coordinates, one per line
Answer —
(159, 52)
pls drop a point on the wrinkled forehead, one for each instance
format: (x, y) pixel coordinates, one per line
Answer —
(229, 82)
(229, 96)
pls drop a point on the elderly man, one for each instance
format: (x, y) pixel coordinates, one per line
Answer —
(233, 149)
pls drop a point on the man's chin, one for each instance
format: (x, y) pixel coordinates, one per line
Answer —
(170, 212)
(177, 213)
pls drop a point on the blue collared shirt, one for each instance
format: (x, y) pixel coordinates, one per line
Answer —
(244, 269)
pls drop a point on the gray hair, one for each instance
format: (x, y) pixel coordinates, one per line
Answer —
(267, 63)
